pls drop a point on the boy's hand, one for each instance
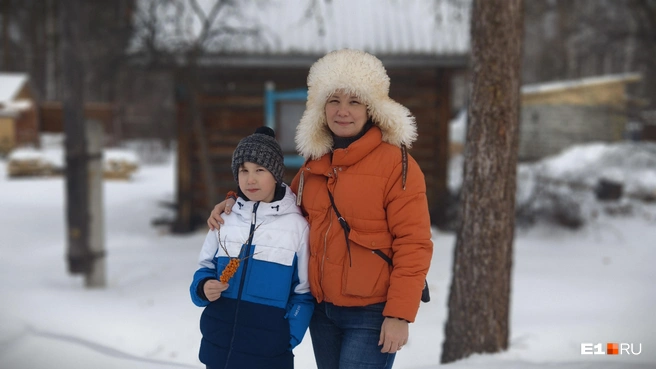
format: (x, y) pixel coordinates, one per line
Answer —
(215, 221)
(213, 289)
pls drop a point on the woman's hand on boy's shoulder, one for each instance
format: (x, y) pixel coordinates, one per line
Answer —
(213, 289)
(215, 220)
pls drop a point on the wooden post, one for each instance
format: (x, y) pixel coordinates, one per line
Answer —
(185, 199)
(95, 276)
(440, 190)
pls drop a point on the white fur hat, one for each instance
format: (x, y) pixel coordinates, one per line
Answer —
(363, 75)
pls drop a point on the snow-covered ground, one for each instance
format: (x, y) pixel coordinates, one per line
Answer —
(594, 285)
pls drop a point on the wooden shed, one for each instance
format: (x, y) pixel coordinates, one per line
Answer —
(245, 88)
(19, 119)
(560, 114)
(52, 116)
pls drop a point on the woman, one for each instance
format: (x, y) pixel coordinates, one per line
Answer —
(354, 139)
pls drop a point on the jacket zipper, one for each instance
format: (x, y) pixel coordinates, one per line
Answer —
(243, 277)
(325, 236)
(325, 249)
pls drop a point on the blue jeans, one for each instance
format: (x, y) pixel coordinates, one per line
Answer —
(347, 337)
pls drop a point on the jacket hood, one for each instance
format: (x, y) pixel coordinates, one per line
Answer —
(363, 75)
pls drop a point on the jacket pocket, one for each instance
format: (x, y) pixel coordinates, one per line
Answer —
(270, 274)
(366, 274)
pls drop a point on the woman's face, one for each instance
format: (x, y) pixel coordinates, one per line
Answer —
(346, 114)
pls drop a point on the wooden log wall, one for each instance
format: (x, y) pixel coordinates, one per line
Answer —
(426, 92)
(232, 105)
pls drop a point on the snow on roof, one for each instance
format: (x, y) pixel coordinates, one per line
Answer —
(582, 82)
(10, 85)
(11, 113)
(381, 27)
(12, 108)
(376, 26)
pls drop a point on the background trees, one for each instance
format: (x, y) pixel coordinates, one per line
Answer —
(583, 38)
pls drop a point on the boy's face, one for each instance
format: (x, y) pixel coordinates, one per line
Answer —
(256, 182)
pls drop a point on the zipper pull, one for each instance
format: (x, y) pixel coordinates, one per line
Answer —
(253, 213)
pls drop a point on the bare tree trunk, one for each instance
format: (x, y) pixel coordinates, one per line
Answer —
(480, 290)
(51, 51)
(4, 10)
(77, 189)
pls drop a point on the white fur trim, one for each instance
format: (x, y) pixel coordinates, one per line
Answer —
(359, 73)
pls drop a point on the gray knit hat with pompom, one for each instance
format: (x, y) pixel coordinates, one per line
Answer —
(260, 148)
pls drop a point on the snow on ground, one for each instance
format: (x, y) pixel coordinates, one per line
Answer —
(632, 164)
(594, 285)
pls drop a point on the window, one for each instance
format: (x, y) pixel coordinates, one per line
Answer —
(282, 112)
(289, 114)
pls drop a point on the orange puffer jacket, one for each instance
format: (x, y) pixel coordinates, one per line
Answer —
(366, 182)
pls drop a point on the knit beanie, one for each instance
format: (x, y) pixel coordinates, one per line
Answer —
(260, 148)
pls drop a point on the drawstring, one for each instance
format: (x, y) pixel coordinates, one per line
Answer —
(404, 161)
(301, 181)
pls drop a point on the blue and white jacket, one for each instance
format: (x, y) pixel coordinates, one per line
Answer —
(266, 310)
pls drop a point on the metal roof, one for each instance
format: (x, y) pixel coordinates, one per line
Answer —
(296, 32)
(581, 82)
(390, 27)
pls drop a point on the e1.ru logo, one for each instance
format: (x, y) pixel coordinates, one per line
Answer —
(611, 349)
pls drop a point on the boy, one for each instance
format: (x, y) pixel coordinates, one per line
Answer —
(255, 318)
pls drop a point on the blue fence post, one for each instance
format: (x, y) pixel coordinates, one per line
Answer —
(270, 105)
